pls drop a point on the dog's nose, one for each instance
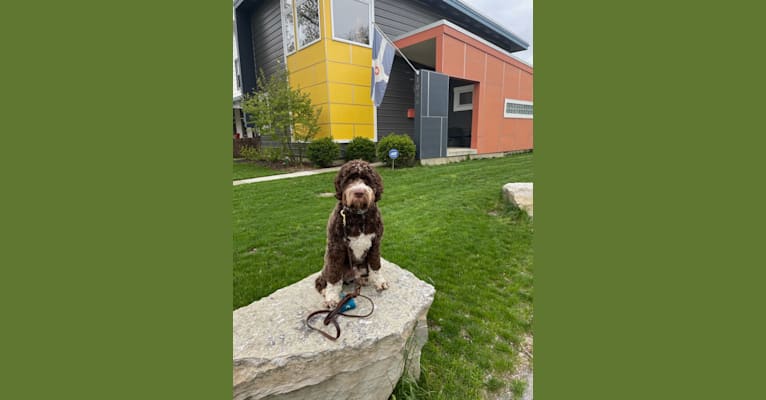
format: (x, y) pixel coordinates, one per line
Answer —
(358, 193)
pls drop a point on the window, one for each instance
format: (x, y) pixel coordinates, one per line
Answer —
(463, 98)
(307, 18)
(288, 27)
(517, 109)
(352, 20)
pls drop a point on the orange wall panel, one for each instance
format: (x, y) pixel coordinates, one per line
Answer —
(474, 64)
(511, 82)
(454, 57)
(525, 87)
(494, 73)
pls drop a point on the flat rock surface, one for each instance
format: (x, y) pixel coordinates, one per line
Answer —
(276, 354)
(520, 194)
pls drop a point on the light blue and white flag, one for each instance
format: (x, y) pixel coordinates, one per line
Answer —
(382, 58)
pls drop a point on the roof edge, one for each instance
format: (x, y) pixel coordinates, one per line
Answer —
(465, 32)
(473, 13)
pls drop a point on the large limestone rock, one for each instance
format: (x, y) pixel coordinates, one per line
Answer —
(520, 195)
(277, 357)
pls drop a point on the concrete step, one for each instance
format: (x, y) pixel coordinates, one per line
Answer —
(460, 151)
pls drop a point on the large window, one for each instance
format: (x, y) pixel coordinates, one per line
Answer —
(352, 21)
(517, 109)
(288, 27)
(305, 15)
(307, 18)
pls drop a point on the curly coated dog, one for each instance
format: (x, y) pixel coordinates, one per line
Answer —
(354, 232)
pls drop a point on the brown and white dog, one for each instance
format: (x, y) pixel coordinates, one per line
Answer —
(354, 231)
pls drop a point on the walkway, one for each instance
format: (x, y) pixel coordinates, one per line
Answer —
(292, 175)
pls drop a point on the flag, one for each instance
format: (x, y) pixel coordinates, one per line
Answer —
(382, 58)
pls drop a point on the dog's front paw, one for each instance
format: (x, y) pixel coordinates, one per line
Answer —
(381, 285)
(331, 299)
(331, 303)
(378, 281)
(331, 294)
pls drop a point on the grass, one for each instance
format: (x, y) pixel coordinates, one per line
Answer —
(449, 226)
(249, 169)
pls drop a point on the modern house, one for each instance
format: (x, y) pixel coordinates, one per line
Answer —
(466, 95)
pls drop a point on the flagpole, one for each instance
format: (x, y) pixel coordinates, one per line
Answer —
(397, 49)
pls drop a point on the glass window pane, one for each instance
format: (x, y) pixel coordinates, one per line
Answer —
(351, 20)
(466, 98)
(308, 21)
(288, 29)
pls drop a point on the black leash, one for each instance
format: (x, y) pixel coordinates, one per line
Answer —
(332, 315)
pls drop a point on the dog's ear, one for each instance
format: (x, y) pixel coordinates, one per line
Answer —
(340, 180)
(376, 183)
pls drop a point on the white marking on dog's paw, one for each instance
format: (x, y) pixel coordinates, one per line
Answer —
(378, 280)
(331, 294)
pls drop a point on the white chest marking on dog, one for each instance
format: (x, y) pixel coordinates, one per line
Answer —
(360, 244)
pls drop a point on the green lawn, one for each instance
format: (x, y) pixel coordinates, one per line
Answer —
(248, 169)
(449, 226)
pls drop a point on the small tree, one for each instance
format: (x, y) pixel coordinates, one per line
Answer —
(282, 113)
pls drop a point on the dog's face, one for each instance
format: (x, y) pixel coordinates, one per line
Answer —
(358, 185)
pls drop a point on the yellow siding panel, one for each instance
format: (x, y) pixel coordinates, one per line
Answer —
(342, 131)
(325, 16)
(324, 131)
(365, 131)
(304, 78)
(324, 114)
(348, 73)
(341, 93)
(305, 57)
(362, 95)
(321, 71)
(339, 52)
(361, 56)
(318, 93)
(351, 114)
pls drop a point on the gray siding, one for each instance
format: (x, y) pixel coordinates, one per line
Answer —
(266, 34)
(396, 17)
(246, 60)
(400, 96)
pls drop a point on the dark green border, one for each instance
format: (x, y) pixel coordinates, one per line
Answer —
(648, 221)
(116, 277)
(116, 264)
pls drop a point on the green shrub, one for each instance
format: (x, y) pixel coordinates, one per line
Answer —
(360, 147)
(271, 154)
(250, 153)
(323, 152)
(403, 143)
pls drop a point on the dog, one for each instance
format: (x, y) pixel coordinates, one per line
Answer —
(354, 232)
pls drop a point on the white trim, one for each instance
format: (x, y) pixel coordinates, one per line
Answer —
(282, 29)
(512, 115)
(371, 18)
(351, 43)
(456, 92)
(463, 31)
(319, 22)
